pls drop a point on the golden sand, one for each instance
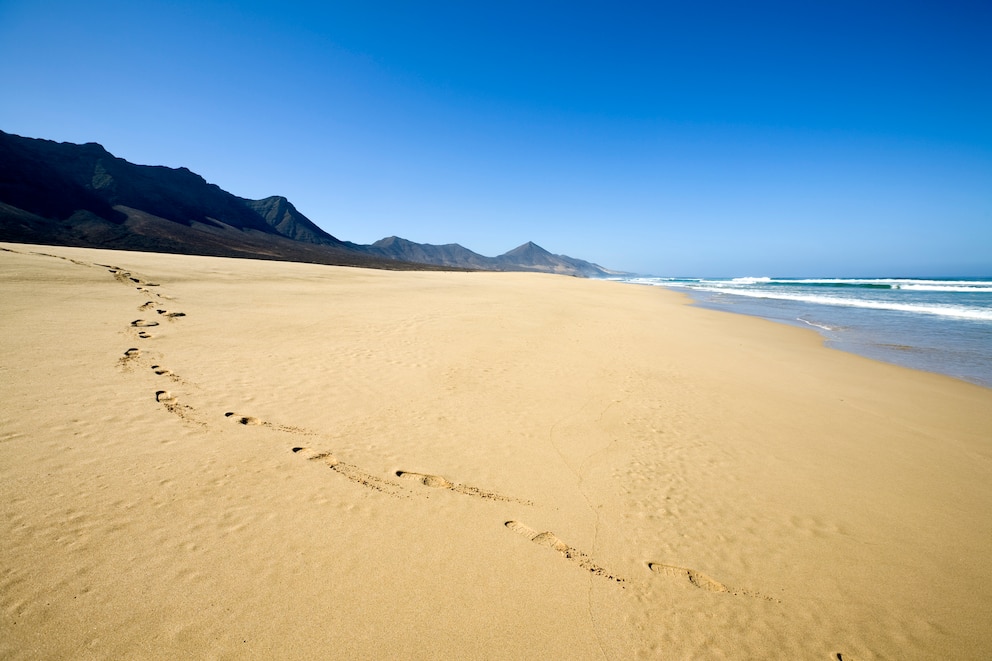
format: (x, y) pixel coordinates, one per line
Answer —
(215, 458)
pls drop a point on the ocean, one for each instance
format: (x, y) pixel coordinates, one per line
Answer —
(939, 325)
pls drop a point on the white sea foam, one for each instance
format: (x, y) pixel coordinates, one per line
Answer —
(944, 310)
(975, 288)
(814, 324)
(972, 286)
(751, 280)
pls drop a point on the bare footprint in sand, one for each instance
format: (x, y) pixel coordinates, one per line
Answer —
(249, 420)
(165, 397)
(120, 274)
(353, 473)
(172, 405)
(161, 371)
(141, 323)
(129, 357)
(171, 315)
(244, 419)
(699, 579)
(435, 481)
(314, 455)
(702, 581)
(438, 482)
(550, 540)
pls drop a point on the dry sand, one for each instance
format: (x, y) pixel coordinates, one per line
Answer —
(204, 457)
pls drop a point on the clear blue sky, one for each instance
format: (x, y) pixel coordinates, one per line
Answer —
(712, 139)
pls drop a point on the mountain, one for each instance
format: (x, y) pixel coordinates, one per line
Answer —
(533, 257)
(450, 254)
(82, 195)
(528, 257)
(280, 214)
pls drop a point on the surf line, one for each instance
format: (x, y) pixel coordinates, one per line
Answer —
(815, 325)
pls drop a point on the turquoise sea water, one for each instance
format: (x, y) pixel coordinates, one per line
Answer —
(940, 325)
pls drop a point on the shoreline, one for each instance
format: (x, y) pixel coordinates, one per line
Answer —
(868, 341)
(218, 457)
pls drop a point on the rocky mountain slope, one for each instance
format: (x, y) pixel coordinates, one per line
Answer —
(82, 195)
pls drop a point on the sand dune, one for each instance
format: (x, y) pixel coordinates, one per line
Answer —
(207, 457)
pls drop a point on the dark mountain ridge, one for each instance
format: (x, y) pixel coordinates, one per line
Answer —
(82, 195)
(528, 257)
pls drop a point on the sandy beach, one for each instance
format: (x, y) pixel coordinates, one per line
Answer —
(217, 458)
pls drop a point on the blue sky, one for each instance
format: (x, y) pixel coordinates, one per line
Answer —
(698, 139)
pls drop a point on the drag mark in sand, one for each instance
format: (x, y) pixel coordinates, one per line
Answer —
(552, 541)
(353, 473)
(702, 581)
(438, 482)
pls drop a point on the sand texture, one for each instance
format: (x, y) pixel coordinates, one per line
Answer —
(218, 458)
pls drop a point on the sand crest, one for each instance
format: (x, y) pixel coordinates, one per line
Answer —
(205, 457)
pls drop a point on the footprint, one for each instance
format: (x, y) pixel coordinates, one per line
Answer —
(143, 335)
(314, 455)
(253, 421)
(438, 482)
(245, 419)
(172, 405)
(702, 581)
(161, 371)
(699, 579)
(120, 274)
(171, 315)
(141, 323)
(552, 541)
(129, 357)
(353, 473)
(146, 305)
(435, 481)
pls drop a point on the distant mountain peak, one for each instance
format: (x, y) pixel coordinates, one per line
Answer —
(280, 214)
(529, 248)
